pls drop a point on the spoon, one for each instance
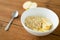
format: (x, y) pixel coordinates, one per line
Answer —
(14, 15)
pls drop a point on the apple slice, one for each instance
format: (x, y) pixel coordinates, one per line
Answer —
(29, 4)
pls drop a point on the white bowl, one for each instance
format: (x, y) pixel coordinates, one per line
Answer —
(40, 11)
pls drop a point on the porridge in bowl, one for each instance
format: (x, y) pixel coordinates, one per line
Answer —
(38, 23)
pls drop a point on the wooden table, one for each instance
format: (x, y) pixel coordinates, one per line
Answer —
(16, 31)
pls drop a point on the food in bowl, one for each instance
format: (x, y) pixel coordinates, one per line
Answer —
(38, 23)
(43, 13)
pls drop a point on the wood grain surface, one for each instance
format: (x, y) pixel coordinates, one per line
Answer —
(16, 31)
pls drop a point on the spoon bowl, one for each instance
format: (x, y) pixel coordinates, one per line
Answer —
(15, 14)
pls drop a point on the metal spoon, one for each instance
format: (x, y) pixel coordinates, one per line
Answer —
(14, 15)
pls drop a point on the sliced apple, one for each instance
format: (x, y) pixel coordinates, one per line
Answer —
(33, 5)
(29, 4)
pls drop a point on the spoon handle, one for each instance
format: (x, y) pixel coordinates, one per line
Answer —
(8, 25)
